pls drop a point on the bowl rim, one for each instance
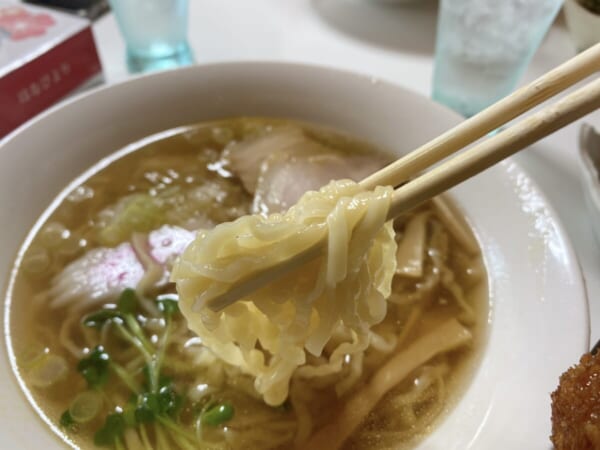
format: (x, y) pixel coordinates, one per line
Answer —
(166, 73)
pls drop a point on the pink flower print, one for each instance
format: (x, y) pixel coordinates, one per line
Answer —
(21, 24)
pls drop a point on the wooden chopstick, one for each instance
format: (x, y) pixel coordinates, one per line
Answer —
(496, 148)
(468, 131)
(445, 176)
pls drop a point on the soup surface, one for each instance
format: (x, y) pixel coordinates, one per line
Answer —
(113, 364)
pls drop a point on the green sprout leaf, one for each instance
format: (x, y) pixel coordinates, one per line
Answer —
(147, 376)
(168, 304)
(218, 414)
(127, 302)
(95, 367)
(169, 401)
(129, 415)
(164, 381)
(98, 319)
(66, 420)
(113, 429)
(148, 408)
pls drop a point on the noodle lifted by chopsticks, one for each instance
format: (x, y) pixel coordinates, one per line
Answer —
(268, 333)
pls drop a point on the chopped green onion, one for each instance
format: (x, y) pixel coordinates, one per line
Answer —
(31, 355)
(49, 369)
(138, 212)
(86, 406)
(218, 414)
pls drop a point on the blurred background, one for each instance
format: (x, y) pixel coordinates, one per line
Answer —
(465, 54)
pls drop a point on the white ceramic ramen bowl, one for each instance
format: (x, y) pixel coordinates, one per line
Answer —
(538, 319)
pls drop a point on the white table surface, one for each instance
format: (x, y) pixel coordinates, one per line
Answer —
(391, 42)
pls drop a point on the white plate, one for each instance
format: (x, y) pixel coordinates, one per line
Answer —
(539, 320)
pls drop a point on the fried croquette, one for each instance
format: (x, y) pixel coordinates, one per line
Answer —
(576, 407)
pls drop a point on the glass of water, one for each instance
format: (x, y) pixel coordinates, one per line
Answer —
(483, 48)
(155, 33)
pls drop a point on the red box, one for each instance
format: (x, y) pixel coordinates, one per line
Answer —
(44, 56)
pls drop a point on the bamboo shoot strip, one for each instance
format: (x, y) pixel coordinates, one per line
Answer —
(446, 337)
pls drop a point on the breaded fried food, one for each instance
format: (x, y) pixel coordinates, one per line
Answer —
(576, 407)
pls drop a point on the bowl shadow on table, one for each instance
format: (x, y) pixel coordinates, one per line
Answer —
(399, 27)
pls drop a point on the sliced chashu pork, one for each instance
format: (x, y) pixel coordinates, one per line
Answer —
(280, 166)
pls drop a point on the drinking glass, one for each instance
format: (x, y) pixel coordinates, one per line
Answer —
(155, 33)
(483, 48)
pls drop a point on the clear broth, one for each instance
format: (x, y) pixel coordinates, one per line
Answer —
(173, 167)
